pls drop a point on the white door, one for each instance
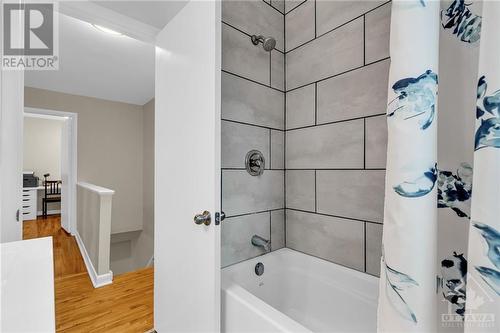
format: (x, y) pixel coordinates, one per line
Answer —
(11, 157)
(11, 138)
(65, 168)
(187, 171)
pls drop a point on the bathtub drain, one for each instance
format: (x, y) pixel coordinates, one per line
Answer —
(259, 269)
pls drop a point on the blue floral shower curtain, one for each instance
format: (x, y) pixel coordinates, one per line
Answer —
(441, 240)
(483, 296)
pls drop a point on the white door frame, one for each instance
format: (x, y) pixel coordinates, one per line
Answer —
(11, 139)
(73, 159)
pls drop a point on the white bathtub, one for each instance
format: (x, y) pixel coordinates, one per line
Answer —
(297, 293)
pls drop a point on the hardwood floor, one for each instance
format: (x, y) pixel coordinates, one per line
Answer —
(67, 257)
(124, 306)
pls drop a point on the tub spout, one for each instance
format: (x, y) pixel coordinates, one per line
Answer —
(261, 242)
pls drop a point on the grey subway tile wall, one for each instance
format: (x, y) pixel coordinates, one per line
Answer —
(373, 248)
(377, 37)
(277, 229)
(279, 5)
(301, 107)
(255, 18)
(337, 145)
(241, 57)
(376, 142)
(356, 194)
(332, 14)
(245, 194)
(336, 132)
(337, 100)
(315, 107)
(333, 53)
(301, 189)
(292, 4)
(331, 238)
(299, 25)
(253, 117)
(238, 139)
(247, 102)
(277, 70)
(277, 160)
(236, 235)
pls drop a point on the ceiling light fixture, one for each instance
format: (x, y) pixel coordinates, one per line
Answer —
(107, 30)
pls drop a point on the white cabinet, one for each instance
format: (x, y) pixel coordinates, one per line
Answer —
(29, 202)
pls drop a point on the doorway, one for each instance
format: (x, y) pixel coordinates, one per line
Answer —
(50, 149)
(192, 89)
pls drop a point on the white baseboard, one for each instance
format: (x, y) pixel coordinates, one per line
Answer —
(97, 280)
(151, 261)
(49, 212)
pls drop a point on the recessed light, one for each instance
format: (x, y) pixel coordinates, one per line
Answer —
(107, 30)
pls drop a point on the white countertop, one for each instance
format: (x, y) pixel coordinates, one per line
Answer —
(27, 291)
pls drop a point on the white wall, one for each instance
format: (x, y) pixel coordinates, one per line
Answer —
(115, 150)
(145, 244)
(94, 204)
(133, 250)
(109, 149)
(42, 146)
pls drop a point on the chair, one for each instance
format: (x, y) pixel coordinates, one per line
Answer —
(52, 193)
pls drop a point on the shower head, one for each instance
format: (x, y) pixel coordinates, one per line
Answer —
(268, 43)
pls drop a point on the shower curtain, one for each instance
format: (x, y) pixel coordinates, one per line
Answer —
(440, 266)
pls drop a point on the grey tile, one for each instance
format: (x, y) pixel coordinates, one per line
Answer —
(254, 18)
(278, 70)
(279, 5)
(378, 30)
(376, 142)
(373, 248)
(299, 25)
(243, 194)
(291, 4)
(331, 54)
(300, 107)
(238, 139)
(277, 229)
(357, 194)
(277, 149)
(359, 93)
(338, 145)
(236, 237)
(334, 239)
(331, 14)
(300, 189)
(252, 103)
(241, 57)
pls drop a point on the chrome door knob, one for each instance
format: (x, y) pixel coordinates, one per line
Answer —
(203, 218)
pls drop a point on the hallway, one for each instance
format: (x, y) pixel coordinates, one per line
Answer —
(124, 306)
